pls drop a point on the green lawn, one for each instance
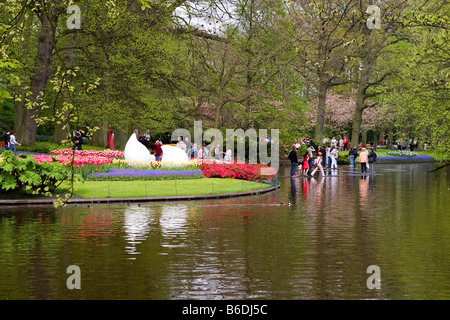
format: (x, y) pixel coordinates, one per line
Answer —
(124, 189)
(436, 155)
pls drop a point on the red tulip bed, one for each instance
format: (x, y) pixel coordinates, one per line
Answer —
(250, 172)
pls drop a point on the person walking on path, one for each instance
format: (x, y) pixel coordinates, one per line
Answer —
(372, 159)
(318, 165)
(352, 154)
(363, 160)
(328, 155)
(13, 142)
(334, 155)
(310, 159)
(7, 140)
(305, 165)
(294, 159)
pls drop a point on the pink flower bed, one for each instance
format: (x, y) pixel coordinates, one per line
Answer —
(89, 153)
(79, 160)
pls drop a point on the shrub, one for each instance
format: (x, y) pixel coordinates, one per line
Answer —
(25, 174)
(38, 147)
(343, 159)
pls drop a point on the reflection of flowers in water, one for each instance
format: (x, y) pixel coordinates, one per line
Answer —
(173, 223)
(137, 226)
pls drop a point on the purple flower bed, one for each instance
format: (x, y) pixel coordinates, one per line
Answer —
(140, 174)
(420, 157)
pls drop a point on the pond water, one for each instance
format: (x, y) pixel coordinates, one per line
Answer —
(310, 239)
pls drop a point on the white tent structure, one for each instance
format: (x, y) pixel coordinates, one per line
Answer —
(174, 156)
(136, 151)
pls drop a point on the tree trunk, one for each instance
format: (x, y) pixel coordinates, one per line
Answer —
(357, 118)
(121, 138)
(382, 133)
(360, 100)
(99, 137)
(19, 114)
(60, 134)
(46, 43)
(390, 139)
(323, 88)
(364, 138)
(62, 130)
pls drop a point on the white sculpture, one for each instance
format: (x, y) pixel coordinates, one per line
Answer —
(173, 155)
(136, 151)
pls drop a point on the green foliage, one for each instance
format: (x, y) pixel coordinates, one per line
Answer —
(302, 150)
(343, 158)
(6, 116)
(25, 175)
(39, 147)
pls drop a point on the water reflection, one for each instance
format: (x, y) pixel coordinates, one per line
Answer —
(318, 247)
(173, 222)
(137, 222)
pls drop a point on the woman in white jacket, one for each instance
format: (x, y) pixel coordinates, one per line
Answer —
(334, 155)
(13, 142)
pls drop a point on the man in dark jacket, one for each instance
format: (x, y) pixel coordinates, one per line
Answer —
(372, 159)
(7, 146)
(78, 141)
(294, 159)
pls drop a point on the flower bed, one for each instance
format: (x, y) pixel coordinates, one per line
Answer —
(110, 165)
(142, 174)
(250, 172)
(407, 154)
(413, 158)
(79, 160)
(88, 153)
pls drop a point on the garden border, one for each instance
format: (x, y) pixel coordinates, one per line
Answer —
(48, 201)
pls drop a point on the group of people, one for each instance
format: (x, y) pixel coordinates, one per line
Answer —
(403, 145)
(342, 144)
(194, 153)
(313, 160)
(189, 147)
(10, 141)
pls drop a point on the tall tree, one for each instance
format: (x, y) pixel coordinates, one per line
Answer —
(371, 46)
(48, 13)
(324, 33)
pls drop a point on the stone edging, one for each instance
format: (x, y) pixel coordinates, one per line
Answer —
(48, 201)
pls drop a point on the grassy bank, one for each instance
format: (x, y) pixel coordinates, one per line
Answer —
(125, 189)
(438, 156)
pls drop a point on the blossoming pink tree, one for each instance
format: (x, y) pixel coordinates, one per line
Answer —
(339, 115)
